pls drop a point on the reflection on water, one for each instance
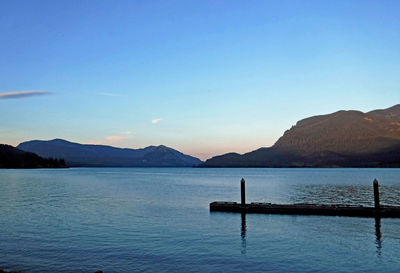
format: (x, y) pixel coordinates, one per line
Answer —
(158, 220)
(345, 194)
(378, 235)
(243, 232)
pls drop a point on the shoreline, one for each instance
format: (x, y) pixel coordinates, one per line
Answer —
(12, 271)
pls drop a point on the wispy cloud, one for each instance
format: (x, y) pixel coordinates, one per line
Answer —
(115, 139)
(21, 94)
(156, 120)
(111, 94)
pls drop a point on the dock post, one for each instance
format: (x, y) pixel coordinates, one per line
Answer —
(243, 191)
(376, 194)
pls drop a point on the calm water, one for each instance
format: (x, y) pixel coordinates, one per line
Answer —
(157, 220)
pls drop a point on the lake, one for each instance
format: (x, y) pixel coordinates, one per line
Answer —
(158, 220)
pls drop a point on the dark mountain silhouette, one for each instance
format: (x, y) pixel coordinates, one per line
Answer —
(85, 155)
(340, 139)
(14, 158)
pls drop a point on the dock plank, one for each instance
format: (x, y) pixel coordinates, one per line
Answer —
(307, 209)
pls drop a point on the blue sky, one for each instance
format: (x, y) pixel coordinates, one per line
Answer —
(204, 77)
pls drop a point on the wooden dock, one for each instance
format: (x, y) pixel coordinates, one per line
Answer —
(308, 209)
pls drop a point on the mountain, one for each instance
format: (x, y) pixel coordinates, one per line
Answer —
(340, 139)
(14, 158)
(84, 155)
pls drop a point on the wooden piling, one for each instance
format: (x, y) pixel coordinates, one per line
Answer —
(377, 211)
(376, 194)
(243, 192)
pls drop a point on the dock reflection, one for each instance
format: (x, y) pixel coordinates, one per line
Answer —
(243, 232)
(378, 236)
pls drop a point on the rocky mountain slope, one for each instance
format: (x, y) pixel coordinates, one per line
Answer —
(340, 139)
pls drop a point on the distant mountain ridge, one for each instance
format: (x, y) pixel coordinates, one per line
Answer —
(14, 158)
(340, 139)
(88, 155)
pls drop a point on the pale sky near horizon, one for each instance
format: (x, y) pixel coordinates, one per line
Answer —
(203, 77)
